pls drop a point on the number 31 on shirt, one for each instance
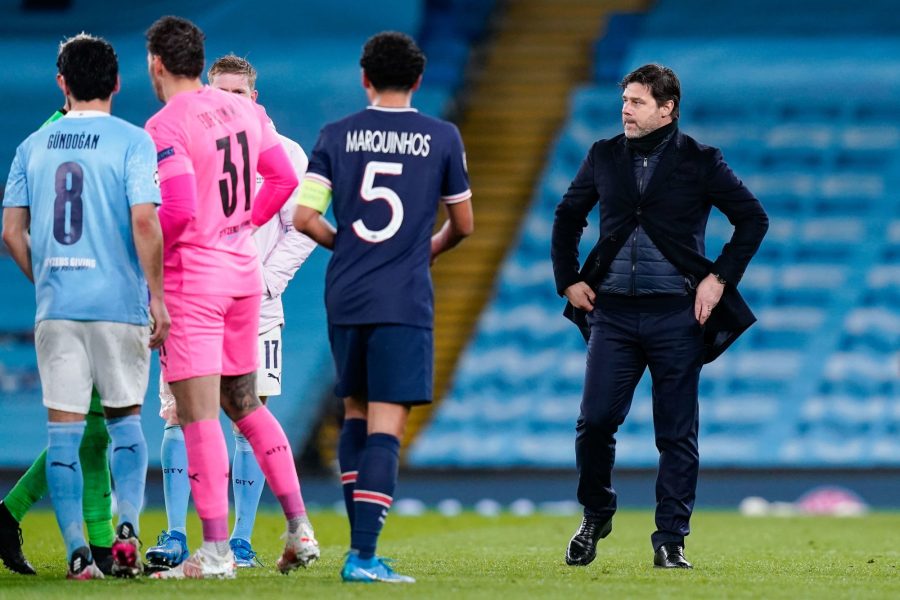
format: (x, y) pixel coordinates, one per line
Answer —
(371, 192)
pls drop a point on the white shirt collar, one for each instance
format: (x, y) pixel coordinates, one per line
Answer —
(391, 109)
(85, 114)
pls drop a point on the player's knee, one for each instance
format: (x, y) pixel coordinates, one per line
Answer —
(355, 407)
(124, 411)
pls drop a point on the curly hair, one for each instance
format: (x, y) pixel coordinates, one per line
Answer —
(179, 44)
(89, 65)
(392, 61)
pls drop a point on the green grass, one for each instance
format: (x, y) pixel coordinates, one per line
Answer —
(521, 557)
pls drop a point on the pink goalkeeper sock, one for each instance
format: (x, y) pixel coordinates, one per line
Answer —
(273, 453)
(208, 474)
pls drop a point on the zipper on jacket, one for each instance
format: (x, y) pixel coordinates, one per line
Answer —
(634, 239)
(643, 175)
(634, 262)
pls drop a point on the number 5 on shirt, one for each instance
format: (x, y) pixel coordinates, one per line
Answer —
(370, 193)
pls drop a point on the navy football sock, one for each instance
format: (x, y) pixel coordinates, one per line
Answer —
(374, 491)
(350, 448)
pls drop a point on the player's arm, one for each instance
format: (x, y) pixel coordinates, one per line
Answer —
(315, 196)
(148, 241)
(292, 249)
(456, 197)
(147, 231)
(16, 221)
(310, 221)
(289, 254)
(177, 181)
(459, 225)
(17, 215)
(179, 201)
(279, 178)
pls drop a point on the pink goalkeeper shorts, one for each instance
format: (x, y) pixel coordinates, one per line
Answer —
(210, 335)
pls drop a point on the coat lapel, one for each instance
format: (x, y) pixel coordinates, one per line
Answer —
(668, 161)
(625, 171)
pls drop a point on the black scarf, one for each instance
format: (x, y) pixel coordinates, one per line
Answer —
(647, 144)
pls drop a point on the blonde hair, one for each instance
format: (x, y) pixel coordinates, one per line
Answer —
(234, 65)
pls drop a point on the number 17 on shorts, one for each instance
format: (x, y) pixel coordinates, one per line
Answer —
(268, 376)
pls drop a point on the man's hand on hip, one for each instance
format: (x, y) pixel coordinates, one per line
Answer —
(709, 292)
(581, 296)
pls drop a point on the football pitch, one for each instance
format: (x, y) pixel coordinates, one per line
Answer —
(470, 556)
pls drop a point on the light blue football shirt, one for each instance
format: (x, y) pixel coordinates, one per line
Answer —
(79, 177)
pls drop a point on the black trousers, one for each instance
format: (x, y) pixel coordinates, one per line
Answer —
(622, 344)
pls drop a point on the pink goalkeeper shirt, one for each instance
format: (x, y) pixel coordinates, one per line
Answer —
(217, 138)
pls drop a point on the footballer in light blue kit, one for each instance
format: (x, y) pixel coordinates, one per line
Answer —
(80, 221)
(387, 170)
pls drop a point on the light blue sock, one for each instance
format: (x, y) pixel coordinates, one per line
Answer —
(65, 481)
(176, 486)
(247, 481)
(128, 466)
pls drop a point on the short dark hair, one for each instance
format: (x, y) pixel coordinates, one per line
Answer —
(89, 65)
(392, 61)
(179, 44)
(662, 81)
(233, 65)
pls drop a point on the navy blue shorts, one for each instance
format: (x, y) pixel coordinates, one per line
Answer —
(383, 362)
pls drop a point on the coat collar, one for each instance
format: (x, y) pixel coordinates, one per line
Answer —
(670, 159)
(625, 170)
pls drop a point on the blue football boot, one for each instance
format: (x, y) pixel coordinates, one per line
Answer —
(170, 551)
(358, 570)
(244, 556)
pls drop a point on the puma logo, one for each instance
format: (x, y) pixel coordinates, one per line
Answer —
(274, 376)
(107, 494)
(194, 476)
(132, 448)
(56, 463)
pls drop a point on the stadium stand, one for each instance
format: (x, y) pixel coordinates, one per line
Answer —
(803, 104)
(307, 56)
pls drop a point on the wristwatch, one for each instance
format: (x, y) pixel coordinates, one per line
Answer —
(719, 278)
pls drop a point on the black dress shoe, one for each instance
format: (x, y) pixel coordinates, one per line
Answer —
(583, 545)
(671, 556)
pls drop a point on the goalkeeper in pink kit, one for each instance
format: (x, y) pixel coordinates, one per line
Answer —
(210, 146)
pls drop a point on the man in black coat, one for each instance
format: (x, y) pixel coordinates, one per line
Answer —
(647, 297)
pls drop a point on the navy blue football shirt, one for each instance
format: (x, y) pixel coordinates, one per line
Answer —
(388, 169)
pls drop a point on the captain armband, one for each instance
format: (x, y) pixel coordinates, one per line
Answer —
(315, 194)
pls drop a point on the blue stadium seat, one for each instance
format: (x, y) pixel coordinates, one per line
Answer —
(814, 383)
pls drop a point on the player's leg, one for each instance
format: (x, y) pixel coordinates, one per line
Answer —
(64, 367)
(30, 488)
(192, 365)
(97, 499)
(399, 366)
(354, 433)
(171, 547)
(263, 432)
(247, 479)
(349, 351)
(120, 367)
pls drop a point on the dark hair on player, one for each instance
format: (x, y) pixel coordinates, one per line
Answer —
(392, 61)
(662, 81)
(233, 65)
(179, 44)
(89, 66)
